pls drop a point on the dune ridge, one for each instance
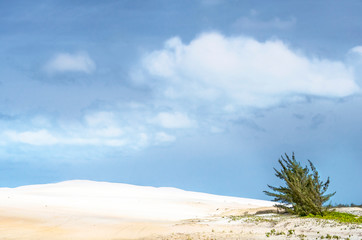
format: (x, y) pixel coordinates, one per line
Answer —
(81, 209)
(88, 210)
(120, 200)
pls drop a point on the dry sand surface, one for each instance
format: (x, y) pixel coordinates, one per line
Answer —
(99, 210)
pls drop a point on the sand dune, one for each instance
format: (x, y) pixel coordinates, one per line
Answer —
(100, 210)
(89, 210)
(102, 199)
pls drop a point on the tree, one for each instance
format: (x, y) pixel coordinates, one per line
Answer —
(304, 192)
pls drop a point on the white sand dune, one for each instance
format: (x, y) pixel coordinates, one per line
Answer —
(100, 210)
(86, 210)
(102, 199)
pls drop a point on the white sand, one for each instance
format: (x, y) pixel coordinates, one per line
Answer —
(86, 210)
(102, 199)
(100, 210)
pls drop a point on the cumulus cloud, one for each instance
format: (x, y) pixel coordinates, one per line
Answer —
(241, 71)
(66, 62)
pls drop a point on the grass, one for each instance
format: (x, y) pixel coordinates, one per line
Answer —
(253, 219)
(341, 220)
(338, 216)
(274, 232)
(331, 215)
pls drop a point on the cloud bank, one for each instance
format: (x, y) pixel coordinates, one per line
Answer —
(100, 129)
(204, 85)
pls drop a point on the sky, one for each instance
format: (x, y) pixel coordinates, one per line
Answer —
(202, 95)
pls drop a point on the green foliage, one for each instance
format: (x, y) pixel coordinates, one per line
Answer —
(274, 232)
(304, 192)
(291, 232)
(331, 237)
(338, 216)
(251, 219)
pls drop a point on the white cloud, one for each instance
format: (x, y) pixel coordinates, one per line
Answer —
(354, 58)
(172, 120)
(164, 137)
(66, 62)
(40, 121)
(116, 143)
(142, 140)
(214, 129)
(215, 79)
(40, 137)
(104, 128)
(103, 124)
(357, 49)
(241, 71)
(45, 138)
(108, 132)
(100, 119)
(99, 128)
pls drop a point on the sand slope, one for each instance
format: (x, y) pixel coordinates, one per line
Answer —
(100, 210)
(86, 210)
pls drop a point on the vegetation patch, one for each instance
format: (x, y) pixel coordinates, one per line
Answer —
(338, 216)
(273, 232)
(253, 219)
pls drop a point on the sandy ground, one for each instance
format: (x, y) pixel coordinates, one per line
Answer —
(95, 210)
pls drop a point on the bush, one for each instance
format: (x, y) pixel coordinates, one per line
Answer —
(304, 192)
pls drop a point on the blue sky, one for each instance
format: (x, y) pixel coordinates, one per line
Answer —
(201, 95)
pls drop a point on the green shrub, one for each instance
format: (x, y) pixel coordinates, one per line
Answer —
(304, 192)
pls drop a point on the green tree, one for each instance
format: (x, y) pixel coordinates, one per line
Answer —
(304, 192)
